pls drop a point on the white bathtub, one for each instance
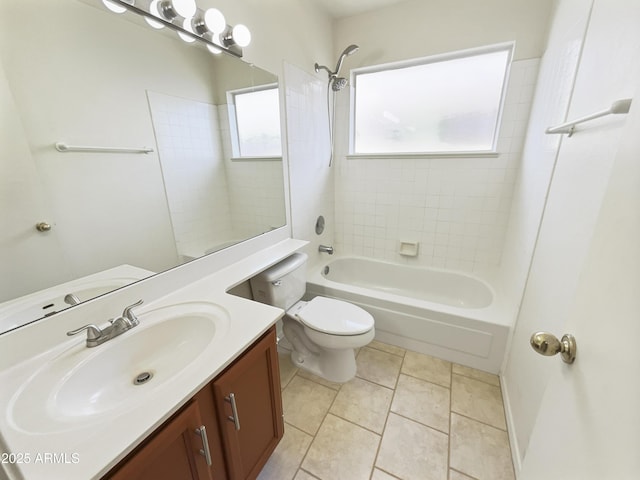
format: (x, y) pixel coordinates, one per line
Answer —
(449, 315)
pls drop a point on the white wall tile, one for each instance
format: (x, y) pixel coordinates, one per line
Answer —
(441, 202)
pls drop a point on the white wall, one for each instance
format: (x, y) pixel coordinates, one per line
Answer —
(22, 203)
(605, 72)
(417, 28)
(188, 135)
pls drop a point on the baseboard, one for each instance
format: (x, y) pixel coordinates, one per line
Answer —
(513, 442)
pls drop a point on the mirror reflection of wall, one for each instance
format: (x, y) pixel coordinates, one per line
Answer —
(87, 77)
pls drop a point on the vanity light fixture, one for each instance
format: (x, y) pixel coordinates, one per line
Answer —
(154, 10)
(170, 9)
(191, 23)
(186, 24)
(210, 21)
(238, 35)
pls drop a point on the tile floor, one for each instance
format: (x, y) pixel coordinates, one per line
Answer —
(405, 416)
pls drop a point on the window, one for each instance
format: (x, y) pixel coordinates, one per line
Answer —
(254, 117)
(445, 104)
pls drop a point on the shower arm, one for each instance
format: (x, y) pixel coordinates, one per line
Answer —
(322, 67)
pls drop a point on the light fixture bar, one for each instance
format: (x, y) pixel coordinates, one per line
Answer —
(232, 49)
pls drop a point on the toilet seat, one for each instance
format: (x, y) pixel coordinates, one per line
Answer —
(335, 317)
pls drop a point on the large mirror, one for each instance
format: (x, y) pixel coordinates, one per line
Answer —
(73, 73)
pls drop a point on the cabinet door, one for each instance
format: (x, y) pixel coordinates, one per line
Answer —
(249, 405)
(171, 453)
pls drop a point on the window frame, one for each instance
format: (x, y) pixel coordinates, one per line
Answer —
(508, 47)
(234, 131)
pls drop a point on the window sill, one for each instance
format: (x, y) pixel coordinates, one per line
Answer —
(361, 156)
(254, 159)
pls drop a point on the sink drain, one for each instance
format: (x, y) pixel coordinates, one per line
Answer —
(142, 378)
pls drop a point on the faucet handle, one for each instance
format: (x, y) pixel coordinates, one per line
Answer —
(93, 331)
(129, 315)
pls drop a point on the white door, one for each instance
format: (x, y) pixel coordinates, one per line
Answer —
(588, 424)
(29, 260)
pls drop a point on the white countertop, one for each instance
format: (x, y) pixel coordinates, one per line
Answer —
(89, 449)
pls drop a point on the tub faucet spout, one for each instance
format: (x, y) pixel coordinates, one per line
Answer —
(325, 249)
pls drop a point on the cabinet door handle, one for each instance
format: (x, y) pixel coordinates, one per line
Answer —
(234, 409)
(204, 451)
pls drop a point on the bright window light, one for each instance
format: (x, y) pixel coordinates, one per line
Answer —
(257, 122)
(443, 104)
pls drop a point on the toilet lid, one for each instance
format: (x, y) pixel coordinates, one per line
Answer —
(335, 317)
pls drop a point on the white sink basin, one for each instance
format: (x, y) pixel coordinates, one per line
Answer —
(83, 384)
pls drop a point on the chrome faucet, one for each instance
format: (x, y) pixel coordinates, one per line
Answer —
(325, 249)
(97, 336)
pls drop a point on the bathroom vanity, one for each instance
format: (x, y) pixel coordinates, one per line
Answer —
(227, 430)
(199, 359)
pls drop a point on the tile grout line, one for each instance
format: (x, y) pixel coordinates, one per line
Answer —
(386, 420)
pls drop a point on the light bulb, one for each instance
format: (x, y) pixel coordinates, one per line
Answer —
(154, 10)
(214, 20)
(186, 24)
(184, 8)
(214, 50)
(241, 35)
(114, 7)
(215, 38)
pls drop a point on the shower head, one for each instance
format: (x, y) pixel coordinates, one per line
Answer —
(350, 50)
(338, 83)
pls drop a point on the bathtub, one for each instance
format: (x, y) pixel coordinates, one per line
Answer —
(450, 315)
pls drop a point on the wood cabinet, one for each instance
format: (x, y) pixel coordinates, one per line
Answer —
(249, 406)
(172, 453)
(241, 412)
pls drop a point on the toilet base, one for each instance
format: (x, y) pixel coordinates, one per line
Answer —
(333, 364)
(340, 367)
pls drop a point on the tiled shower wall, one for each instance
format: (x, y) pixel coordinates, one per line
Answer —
(455, 208)
(256, 187)
(190, 151)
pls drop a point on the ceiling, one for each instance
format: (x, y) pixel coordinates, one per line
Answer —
(346, 8)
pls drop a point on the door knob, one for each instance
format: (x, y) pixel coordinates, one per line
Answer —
(548, 345)
(43, 226)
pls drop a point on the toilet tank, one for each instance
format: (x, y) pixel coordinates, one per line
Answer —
(283, 284)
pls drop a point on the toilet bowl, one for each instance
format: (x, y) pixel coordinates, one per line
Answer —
(323, 332)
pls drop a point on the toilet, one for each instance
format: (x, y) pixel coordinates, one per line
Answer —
(323, 332)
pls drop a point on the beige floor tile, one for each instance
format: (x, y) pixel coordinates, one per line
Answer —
(422, 401)
(427, 368)
(341, 451)
(412, 451)
(478, 400)
(378, 367)
(380, 475)
(305, 403)
(287, 369)
(287, 457)
(302, 475)
(477, 374)
(310, 376)
(364, 403)
(480, 450)
(453, 475)
(385, 347)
